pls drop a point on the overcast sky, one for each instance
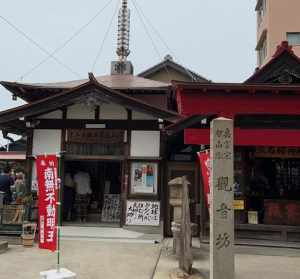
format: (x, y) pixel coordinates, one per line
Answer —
(214, 38)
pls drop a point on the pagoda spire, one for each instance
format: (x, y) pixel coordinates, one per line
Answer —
(123, 32)
(122, 66)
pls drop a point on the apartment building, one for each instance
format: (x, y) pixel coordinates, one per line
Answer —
(277, 21)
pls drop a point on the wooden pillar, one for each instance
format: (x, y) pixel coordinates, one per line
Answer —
(63, 150)
(125, 172)
(63, 131)
(164, 188)
(29, 159)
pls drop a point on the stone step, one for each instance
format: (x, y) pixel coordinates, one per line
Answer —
(3, 246)
(12, 240)
(94, 217)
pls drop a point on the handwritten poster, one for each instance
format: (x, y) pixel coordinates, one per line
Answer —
(143, 213)
(111, 208)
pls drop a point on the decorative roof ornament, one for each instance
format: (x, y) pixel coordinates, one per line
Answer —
(123, 32)
(283, 67)
(168, 57)
(284, 46)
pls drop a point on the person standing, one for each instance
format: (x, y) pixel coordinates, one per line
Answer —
(83, 190)
(19, 186)
(6, 182)
(68, 200)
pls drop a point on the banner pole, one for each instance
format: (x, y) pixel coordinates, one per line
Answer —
(59, 221)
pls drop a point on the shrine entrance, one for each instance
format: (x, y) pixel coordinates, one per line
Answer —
(92, 192)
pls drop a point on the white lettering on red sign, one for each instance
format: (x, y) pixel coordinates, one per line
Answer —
(42, 228)
(48, 199)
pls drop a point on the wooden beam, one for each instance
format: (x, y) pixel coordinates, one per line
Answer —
(233, 104)
(105, 124)
(69, 157)
(83, 91)
(249, 137)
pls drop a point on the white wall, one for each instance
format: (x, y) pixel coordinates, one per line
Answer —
(145, 144)
(112, 111)
(57, 114)
(46, 141)
(80, 111)
(142, 116)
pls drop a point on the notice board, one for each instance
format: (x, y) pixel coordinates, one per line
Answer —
(143, 213)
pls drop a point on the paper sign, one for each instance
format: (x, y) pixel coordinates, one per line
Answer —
(239, 204)
(145, 213)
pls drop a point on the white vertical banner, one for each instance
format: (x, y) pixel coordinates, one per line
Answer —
(222, 196)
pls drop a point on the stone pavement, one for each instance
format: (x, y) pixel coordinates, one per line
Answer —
(108, 234)
(250, 262)
(127, 255)
(3, 246)
(89, 259)
(98, 232)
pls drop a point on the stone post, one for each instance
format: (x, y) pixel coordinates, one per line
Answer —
(176, 193)
(186, 257)
(222, 195)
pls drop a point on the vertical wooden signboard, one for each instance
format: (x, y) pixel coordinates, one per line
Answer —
(222, 196)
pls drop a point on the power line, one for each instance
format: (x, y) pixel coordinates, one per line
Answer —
(161, 38)
(149, 35)
(105, 37)
(18, 30)
(73, 36)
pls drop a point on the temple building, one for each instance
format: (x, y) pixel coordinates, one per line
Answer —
(111, 128)
(266, 113)
(130, 135)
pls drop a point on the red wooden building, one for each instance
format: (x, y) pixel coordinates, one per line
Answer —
(266, 113)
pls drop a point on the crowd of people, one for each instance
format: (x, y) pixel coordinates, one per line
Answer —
(76, 192)
(12, 185)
